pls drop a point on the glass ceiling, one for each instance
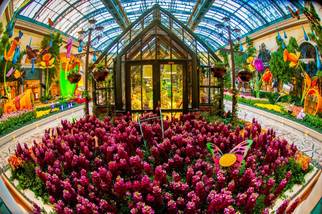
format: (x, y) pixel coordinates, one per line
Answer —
(70, 16)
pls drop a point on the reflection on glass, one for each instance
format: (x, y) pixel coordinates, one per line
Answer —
(204, 78)
(141, 87)
(171, 86)
(204, 95)
(136, 88)
(177, 80)
(214, 94)
(147, 87)
(165, 81)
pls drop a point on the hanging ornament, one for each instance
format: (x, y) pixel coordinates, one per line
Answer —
(241, 48)
(16, 55)
(10, 72)
(94, 57)
(283, 45)
(80, 46)
(51, 40)
(318, 60)
(10, 27)
(305, 35)
(285, 36)
(279, 36)
(69, 47)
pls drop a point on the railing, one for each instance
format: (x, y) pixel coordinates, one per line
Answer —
(203, 52)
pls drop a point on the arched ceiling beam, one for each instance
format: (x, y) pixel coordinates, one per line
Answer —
(213, 22)
(117, 11)
(253, 11)
(43, 6)
(86, 18)
(198, 12)
(236, 18)
(107, 32)
(217, 45)
(212, 33)
(277, 7)
(67, 10)
(107, 22)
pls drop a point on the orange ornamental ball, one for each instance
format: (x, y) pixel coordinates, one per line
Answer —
(227, 160)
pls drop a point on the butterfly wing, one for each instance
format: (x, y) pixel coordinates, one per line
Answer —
(241, 150)
(216, 154)
(214, 150)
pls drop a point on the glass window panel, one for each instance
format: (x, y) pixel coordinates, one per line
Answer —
(214, 94)
(163, 48)
(147, 87)
(136, 86)
(165, 86)
(204, 77)
(148, 50)
(177, 86)
(204, 95)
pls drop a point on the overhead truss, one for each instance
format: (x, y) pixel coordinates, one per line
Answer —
(199, 11)
(117, 11)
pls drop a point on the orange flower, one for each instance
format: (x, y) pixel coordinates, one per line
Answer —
(15, 162)
(293, 58)
(303, 160)
(47, 61)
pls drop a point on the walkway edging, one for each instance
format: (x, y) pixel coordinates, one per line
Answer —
(12, 135)
(299, 127)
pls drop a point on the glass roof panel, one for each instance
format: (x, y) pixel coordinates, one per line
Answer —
(70, 16)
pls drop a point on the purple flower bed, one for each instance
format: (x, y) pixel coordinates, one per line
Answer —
(94, 166)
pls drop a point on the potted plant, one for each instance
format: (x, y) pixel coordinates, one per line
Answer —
(74, 77)
(100, 72)
(219, 70)
(245, 75)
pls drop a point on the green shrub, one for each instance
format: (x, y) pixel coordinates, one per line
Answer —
(14, 123)
(315, 121)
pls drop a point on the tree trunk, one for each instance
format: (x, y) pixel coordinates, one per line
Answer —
(280, 85)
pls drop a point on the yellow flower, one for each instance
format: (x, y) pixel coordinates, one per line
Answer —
(271, 107)
(42, 113)
(55, 110)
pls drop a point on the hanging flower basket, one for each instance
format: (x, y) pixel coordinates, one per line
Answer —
(100, 75)
(218, 71)
(74, 77)
(244, 76)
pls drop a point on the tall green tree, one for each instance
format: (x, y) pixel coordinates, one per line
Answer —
(280, 69)
(56, 40)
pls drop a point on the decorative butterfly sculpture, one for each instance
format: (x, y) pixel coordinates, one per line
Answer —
(236, 155)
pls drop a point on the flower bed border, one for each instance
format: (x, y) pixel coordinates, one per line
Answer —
(34, 119)
(301, 122)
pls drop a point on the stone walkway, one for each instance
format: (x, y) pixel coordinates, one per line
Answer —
(35, 134)
(311, 146)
